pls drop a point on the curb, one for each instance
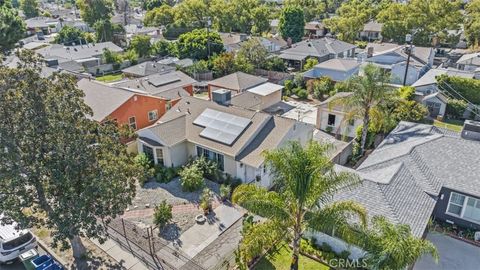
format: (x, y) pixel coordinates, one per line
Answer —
(44, 246)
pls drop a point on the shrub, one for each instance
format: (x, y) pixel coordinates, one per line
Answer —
(301, 93)
(164, 174)
(344, 254)
(206, 199)
(162, 214)
(191, 178)
(325, 247)
(225, 191)
(148, 172)
(456, 108)
(209, 168)
(288, 85)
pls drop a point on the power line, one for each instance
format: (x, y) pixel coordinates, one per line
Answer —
(475, 107)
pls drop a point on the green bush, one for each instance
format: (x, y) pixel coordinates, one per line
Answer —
(325, 247)
(301, 93)
(288, 85)
(344, 254)
(148, 171)
(225, 191)
(456, 108)
(164, 174)
(162, 214)
(191, 178)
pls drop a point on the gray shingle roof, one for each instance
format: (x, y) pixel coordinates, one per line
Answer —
(147, 68)
(423, 159)
(431, 76)
(339, 64)
(103, 99)
(66, 53)
(238, 81)
(318, 47)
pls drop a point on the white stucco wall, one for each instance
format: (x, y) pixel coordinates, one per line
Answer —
(341, 126)
(337, 244)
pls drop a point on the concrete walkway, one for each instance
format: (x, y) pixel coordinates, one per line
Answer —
(120, 255)
(454, 254)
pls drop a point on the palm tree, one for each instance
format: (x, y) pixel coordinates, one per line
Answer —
(305, 181)
(392, 246)
(368, 91)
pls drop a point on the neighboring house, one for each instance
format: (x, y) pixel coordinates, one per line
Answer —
(132, 30)
(174, 62)
(427, 84)
(273, 44)
(122, 106)
(338, 69)
(331, 117)
(237, 82)
(233, 137)
(315, 29)
(393, 59)
(77, 23)
(469, 62)
(45, 25)
(77, 58)
(146, 69)
(417, 172)
(231, 41)
(170, 86)
(323, 49)
(436, 104)
(258, 97)
(371, 31)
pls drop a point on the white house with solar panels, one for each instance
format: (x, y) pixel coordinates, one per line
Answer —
(232, 136)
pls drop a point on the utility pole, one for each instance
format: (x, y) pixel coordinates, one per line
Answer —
(209, 22)
(408, 39)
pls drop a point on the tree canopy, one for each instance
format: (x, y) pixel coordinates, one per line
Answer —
(159, 16)
(141, 45)
(12, 27)
(312, 9)
(254, 52)
(92, 11)
(60, 169)
(197, 44)
(292, 23)
(70, 35)
(29, 8)
(472, 23)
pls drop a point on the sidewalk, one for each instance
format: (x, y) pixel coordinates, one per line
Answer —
(120, 255)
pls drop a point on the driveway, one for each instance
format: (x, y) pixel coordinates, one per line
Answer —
(454, 254)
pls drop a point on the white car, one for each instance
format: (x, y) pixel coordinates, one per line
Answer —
(14, 242)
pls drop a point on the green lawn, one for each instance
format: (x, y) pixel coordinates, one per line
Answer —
(110, 78)
(454, 125)
(281, 258)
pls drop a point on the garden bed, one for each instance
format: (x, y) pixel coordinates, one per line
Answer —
(281, 257)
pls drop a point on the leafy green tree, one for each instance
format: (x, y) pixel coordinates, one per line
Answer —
(392, 247)
(292, 23)
(152, 4)
(199, 44)
(321, 87)
(245, 16)
(162, 214)
(29, 8)
(368, 91)
(131, 56)
(192, 12)
(12, 27)
(159, 16)
(260, 20)
(141, 45)
(253, 51)
(472, 23)
(312, 9)
(310, 63)
(243, 64)
(103, 30)
(351, 16)
(224, 64)
(111, 57)
(304, 177)
(274, 63)
(60, 169)
(92, 11)
(191, 178)
(456, 108)
(468, 88)
(70, 35)
(163, 48)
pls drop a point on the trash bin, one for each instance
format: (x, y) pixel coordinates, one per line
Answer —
(27, 257)
(42, 262)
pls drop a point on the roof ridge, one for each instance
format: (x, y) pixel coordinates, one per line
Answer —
(428, 174)
(388, 204)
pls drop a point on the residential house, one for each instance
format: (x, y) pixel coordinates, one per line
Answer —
(436, 104)
(315, 29)
(273, 44)
(133, 30)
(232, 41)
(258, 97)
(124, 107)
(146, 69)
(233, 137)
(45, 25)
(337, 69)
(171, 85)
(469, 62)
(237, 82)
(174, 62)
(393, 59)
(417, 172)
(323, 49)
(77, 58)
(332, 117)
(372, 30)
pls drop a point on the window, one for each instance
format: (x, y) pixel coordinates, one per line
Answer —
(132, 122)
(148, 151)
(152, 115)
(18, 242)
(331, 120)
(159, 152)
(210, 155)
(455, 205)
(472, 209)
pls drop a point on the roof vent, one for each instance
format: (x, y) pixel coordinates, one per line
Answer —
(471, 130)
(222, 96)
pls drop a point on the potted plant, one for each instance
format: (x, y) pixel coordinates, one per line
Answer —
(206, 200)
(225, 192)
(205, 207)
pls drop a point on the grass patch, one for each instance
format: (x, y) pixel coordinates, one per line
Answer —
(454, 125)
(110, 77)
(280, 260)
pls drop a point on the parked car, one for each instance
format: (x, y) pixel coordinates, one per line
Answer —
(14, 241)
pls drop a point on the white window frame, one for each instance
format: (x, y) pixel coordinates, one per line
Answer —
(156, 115)
(134, 122)
(462, 212)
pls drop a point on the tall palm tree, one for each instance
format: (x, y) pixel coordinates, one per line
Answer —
(305, 181)
(368, 90)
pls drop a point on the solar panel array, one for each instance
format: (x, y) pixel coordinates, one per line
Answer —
(221, 127)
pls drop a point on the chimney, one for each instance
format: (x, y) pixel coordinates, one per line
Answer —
(471, 130)
(222, 96)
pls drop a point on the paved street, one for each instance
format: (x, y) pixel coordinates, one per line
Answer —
(454, 254)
